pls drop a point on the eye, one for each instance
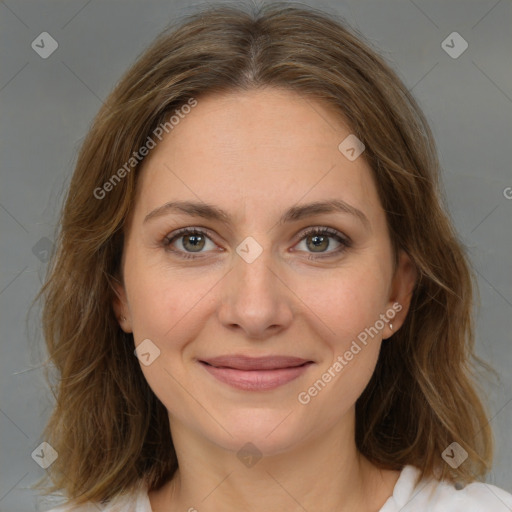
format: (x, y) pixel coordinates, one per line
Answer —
(192, 241)
(317, 240)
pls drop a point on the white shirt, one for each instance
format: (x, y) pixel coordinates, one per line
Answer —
(429, 495)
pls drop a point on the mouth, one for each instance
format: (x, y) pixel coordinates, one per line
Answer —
(256, 373)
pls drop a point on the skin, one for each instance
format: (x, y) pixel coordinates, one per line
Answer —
(254, 154)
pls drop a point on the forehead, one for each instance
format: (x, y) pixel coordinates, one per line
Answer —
(255, 149)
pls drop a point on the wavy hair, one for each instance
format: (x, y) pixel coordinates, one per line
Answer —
(109, 429)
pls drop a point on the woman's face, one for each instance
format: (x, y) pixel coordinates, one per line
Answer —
(254, 283)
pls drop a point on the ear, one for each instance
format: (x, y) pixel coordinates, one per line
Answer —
(120, 306)
(402, 288)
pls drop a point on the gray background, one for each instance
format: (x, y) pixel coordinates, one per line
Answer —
(48, 104)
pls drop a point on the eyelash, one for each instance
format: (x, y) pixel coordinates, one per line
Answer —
(333, 233)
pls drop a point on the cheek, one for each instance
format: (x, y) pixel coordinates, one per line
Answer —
(346, 300)
(168, 310)
(154, 308)
(161, 298)
(346, 308)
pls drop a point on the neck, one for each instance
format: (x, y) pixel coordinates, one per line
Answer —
(326, 473)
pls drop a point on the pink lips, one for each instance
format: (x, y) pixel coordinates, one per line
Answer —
(256, 373)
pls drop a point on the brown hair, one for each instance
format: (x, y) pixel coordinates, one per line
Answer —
(108, 427)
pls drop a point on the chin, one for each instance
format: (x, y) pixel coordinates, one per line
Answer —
(263, 428)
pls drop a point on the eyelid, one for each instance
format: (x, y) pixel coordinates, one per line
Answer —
(333, 232)
(190, 230)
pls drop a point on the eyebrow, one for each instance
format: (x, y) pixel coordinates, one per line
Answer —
(295, 213)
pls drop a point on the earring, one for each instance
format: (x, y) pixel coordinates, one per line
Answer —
(123, 318)
(391, 326)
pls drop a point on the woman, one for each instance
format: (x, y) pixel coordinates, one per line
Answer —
(258, 301)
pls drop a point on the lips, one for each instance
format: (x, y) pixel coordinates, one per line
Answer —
(239, 362)
(255, 373)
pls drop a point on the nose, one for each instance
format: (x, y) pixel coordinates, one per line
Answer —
(255, 298)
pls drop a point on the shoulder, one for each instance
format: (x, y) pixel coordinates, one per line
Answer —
(134, 500)
(487, 494)
(439, 496)
(475, 497)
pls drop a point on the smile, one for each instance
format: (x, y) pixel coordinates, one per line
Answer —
(256, 374)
